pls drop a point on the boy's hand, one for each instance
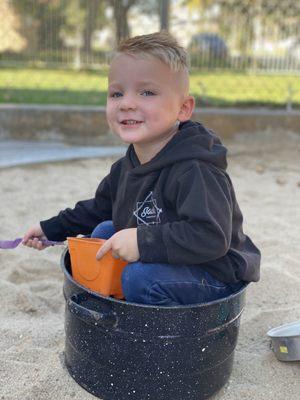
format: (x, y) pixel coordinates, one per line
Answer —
(123, 245)
(33, 238)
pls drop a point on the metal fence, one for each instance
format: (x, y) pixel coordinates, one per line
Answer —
(241, 51)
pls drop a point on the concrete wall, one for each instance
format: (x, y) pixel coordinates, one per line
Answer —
(88, 124)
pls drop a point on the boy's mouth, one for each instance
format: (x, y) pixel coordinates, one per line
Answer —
(130, 122)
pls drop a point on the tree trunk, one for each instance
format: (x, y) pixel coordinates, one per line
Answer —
(164, 14)
(90, 23)
(121, 8)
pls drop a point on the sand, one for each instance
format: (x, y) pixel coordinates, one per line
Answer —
(265, 169)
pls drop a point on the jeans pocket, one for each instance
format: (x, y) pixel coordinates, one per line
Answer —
(211, 282)
(213, 289)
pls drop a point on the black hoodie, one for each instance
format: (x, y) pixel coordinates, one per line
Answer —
(182, 203)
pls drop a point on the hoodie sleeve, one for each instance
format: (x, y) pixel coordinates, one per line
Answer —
(203, 229)
(83, 218)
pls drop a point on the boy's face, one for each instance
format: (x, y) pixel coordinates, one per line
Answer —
(144, 99)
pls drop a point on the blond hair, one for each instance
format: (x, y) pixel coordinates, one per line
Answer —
(160, 45)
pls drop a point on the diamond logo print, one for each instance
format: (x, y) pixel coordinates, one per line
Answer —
(147, 212)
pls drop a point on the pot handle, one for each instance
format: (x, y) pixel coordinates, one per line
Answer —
(91, 317)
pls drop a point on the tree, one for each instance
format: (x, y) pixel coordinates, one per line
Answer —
(120, 10)
(82, 18)
(202, 5)
(11, 40)
(281, 17)
(90, 23)
(40, 15)
(164, 14)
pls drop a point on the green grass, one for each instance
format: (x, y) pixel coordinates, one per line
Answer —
(52, 86)
(245, 89)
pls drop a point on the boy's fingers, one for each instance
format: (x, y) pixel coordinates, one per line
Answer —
(27, 243)
(40, 245)
(30, 234)
(34, 243)
(26, 239)
(31, 243)
(104, 249)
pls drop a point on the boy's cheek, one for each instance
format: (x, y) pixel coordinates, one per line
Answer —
(110, 110)
(109, 122)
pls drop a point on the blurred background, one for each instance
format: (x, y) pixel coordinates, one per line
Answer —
(242, 52)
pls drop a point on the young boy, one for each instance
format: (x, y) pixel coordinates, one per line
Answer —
(168, 207)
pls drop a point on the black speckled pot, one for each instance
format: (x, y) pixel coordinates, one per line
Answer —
(120, 351)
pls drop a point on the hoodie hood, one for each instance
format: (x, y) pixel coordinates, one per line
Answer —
(192, 141)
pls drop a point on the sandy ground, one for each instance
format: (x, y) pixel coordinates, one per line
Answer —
(265, 169)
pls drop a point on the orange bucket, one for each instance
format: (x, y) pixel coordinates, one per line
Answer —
(103, 276)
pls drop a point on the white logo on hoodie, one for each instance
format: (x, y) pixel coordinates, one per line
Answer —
(147, 212)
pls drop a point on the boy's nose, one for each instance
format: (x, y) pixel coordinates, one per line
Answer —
(127, 103)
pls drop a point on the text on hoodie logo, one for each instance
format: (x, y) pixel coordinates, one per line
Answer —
(147, 212)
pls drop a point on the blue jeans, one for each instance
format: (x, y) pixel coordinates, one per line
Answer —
(167, 284)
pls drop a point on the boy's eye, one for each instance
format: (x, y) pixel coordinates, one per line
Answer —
(147, 93)
(116, 94)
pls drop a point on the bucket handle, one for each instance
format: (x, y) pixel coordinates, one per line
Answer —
(91, 317)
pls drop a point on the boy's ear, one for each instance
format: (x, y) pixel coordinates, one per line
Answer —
(186, 109)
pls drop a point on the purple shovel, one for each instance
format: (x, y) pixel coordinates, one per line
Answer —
(12, 244)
